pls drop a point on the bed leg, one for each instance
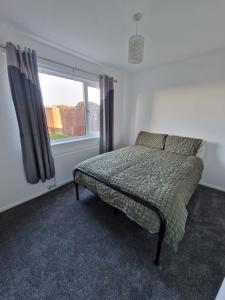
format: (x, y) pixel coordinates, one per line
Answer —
(77, 191)
(76, 185)
(160, 240)
(158, 251)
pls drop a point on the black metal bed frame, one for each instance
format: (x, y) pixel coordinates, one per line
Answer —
(162, 219)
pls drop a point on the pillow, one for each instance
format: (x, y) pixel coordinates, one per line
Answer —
(182, 145)
(201, 150)
(153, 140)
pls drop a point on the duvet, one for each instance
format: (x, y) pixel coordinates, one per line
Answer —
(165, 179)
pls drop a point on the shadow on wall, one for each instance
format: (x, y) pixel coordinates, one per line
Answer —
(214, 166)
(142, 115)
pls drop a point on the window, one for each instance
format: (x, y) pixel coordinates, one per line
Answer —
(93, 110)
(72, 107)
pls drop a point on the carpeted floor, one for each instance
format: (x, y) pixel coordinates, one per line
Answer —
(54, 247)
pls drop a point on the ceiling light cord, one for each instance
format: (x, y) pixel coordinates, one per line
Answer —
(136, 29)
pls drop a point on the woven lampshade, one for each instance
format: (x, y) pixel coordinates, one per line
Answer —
(136, 49)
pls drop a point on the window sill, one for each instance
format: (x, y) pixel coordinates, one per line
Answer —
(73, 140)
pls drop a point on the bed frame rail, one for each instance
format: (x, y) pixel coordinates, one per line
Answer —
(160, 215)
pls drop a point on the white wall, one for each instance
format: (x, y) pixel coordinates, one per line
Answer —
(185, 98)
(13, 187)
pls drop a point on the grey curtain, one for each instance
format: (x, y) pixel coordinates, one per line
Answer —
(27, 99)
(106, 113)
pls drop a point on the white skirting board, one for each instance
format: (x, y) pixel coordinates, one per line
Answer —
(64, 183)
(221, 293)
(11, 205)
(222, 189)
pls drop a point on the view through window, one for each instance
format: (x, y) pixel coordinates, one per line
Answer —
(67, 111)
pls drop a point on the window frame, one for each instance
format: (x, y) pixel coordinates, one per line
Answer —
(87, 82)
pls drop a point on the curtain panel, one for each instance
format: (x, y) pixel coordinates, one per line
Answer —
(106, 113)
(27, 98)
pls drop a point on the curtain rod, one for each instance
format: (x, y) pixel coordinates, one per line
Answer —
(63, 65)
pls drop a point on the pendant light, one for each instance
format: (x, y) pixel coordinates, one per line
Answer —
(136, 44)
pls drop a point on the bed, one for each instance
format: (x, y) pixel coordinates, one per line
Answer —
(151, 182)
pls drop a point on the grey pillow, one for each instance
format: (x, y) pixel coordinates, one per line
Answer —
(182, 145)
(153, 140)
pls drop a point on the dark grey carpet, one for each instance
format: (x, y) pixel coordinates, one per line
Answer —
(54, 247)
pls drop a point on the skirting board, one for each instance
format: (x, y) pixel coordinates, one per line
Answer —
(221, 293)
(11, 205)
(4, 208)
(215, 187)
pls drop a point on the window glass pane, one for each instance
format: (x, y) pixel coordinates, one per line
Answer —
(93, 111)
(64, 106)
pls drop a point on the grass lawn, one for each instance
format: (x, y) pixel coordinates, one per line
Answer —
(57, 136)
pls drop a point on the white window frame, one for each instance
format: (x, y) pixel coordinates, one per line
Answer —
(87, 82)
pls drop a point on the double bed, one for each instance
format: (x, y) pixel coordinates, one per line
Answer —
(151, 182)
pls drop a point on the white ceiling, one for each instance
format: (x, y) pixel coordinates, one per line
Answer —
(100, 29)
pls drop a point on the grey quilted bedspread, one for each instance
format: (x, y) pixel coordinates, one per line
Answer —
(167, 180)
